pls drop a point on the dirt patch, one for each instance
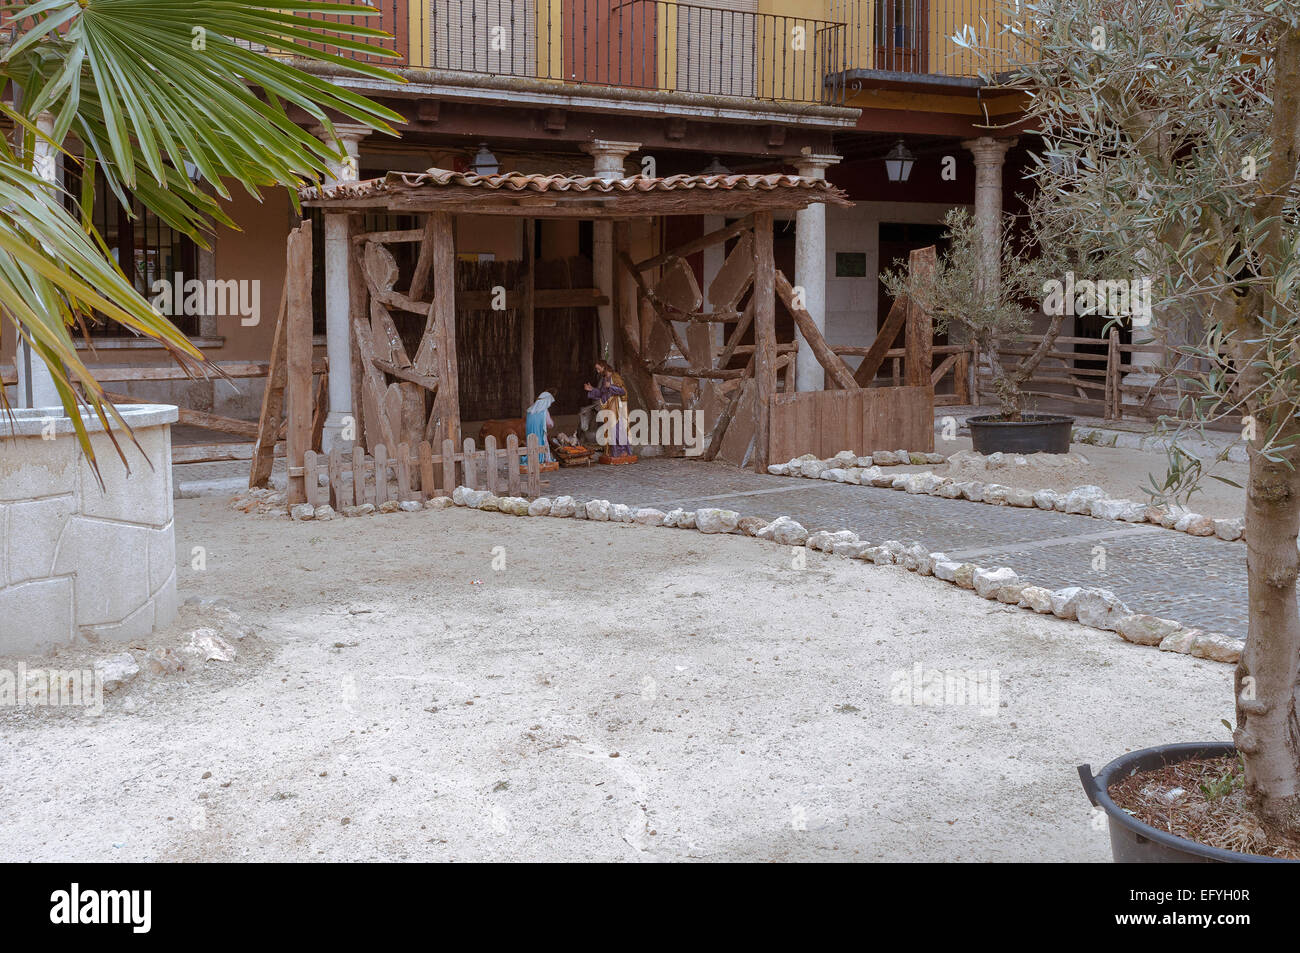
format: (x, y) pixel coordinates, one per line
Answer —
(1202, 800)
(414, 702)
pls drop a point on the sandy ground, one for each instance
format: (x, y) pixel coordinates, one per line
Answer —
(616, 692)
(1122, 473)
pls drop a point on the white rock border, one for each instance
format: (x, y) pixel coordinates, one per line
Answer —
(1090, 606)
(1087, 500)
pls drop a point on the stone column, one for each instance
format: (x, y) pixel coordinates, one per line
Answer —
(35, 383)
(608, 156)
(810, 271)
(990, 157)
(338, 320)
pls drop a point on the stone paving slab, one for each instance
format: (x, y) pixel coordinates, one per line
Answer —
(1200, 582)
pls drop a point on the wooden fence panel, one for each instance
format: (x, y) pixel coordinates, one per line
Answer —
(873, 418)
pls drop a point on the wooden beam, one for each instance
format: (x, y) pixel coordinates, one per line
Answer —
(195, 418)
(445, 420)
(764, 336)
(424, 262)
(526, 315)
(272, 415)
(698, 244)
(708, 373)
(866, 371)
(297, 349)
(828, 359)
(426, 381)
(746, 318)
(919, 336)
(391, 237)
(216, 452)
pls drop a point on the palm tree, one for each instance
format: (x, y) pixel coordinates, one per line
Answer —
(142, 90)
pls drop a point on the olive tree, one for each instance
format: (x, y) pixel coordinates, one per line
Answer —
(1170, 136)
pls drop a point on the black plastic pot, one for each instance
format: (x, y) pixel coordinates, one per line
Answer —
(1133, 842)
(1035, 433)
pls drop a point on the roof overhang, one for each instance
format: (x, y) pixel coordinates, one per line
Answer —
(561, 196)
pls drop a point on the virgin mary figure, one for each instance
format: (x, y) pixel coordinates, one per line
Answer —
(537, 422)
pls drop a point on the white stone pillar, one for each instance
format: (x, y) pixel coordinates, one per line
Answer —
(810, 271)
(338, 320)
(990, 157)
(608, 156)
(35, 383)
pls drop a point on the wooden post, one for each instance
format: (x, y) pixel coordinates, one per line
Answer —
(471, 477)
(490, 449)
(446, 405)
(764, 336)
(918, 340)
(448, 467)
(381, 474)
(534, 467)
(268, 423)
(358, 472)
(512, 464)
(527, 385)
(1115, 406)
(403, 469)
(358, 310)
(426, 470)
(298, 319)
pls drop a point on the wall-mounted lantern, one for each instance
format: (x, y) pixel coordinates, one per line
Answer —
(898, 163)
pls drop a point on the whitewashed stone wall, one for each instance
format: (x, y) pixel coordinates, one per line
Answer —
(76, 559)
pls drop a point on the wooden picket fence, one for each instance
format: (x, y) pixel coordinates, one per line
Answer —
(355, 478)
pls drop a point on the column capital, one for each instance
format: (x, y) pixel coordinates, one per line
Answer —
(609, 155)
(988, 150)
(812, 165)
(349, 136)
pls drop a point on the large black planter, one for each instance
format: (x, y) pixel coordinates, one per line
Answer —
(1133, 842)
(1035, 433)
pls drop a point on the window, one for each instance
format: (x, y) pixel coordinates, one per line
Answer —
(850, 264)
(144, 247)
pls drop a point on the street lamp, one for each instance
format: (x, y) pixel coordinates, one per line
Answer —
(898, 163)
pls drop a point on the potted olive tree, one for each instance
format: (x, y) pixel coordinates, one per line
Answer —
(1172, 129)
(990, 307)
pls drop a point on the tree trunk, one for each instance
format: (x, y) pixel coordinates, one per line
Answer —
(1267, 680)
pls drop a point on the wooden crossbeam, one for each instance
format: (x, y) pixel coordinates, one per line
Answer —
(427, 381)
(195, 418)
(828, 359)
(866, 371)
(697, 244)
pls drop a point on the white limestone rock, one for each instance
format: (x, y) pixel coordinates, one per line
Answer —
(1218, 648)
(1108, 509)
(1080, 499)
(406, 506)
(1099, 608)
(885, 458)
(812, 469)
(878, 555)
(778, 469)
(1144, 629)
(973, 491)
(442, 502)
(1046, 499)
(851, 550)
(687, 520)
(910, 558)
(1037, 598)
(784, 531)
(302, 511)
(713, 520)
(620, 513)
(987, 582)
(946, 569)
(1065, 602)
(598, 510)
(539, 507)
(964, 575)
(1019, 497)
(845, 458)
(996, 494)
(325, 512)
(1229, 530)
(477, 499)
(116, 671)
(564, 506)
(949, 491)
(834, 474)
(648, 516)
(925, 564)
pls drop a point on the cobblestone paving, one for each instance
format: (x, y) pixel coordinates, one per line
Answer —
(1199, 582)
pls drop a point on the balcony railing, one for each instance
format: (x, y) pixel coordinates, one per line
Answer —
(915, 36)
(640, 44)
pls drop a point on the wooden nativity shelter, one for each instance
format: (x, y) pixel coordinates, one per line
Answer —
(663, 326)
